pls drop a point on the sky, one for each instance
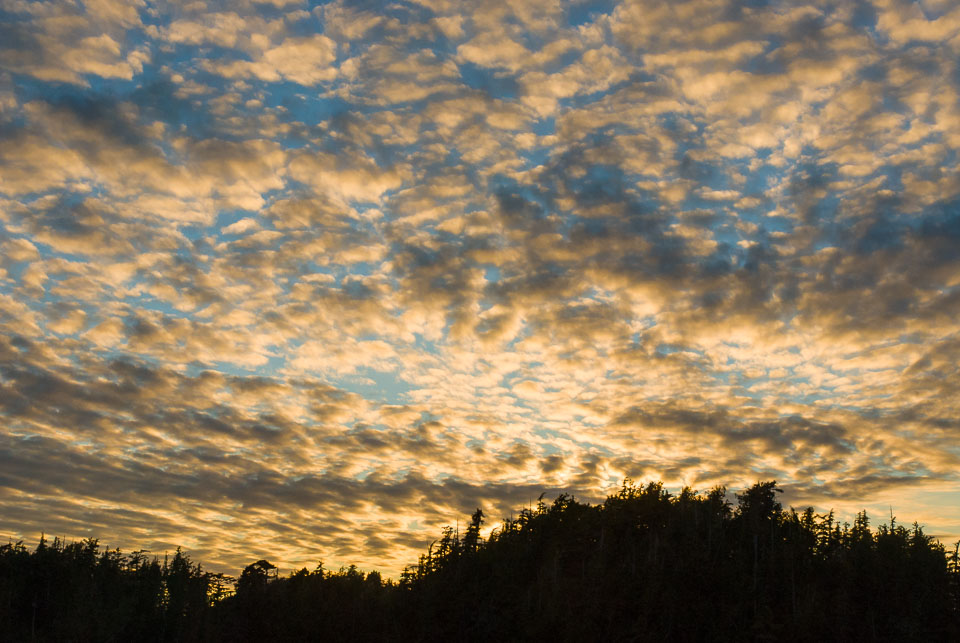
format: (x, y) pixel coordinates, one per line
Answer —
(311, 281)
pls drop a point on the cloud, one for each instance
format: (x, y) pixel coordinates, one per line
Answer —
(296, 284)
(307, 61)
(64, 43)
(348, 177)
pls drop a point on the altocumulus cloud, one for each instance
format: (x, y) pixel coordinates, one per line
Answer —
(295, 280)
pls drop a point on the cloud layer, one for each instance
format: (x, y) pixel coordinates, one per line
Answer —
(293, 281)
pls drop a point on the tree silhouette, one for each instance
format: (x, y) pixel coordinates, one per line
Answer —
(644, 565)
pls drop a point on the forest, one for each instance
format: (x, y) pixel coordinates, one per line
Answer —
(644, 565)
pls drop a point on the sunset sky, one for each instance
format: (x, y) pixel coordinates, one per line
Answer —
(307, 281)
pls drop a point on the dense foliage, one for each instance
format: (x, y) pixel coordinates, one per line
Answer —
(78, 592)
(643, 566)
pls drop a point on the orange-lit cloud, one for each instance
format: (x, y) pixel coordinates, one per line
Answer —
(299, 282)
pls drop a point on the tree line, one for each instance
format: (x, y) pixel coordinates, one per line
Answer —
(644, 565)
